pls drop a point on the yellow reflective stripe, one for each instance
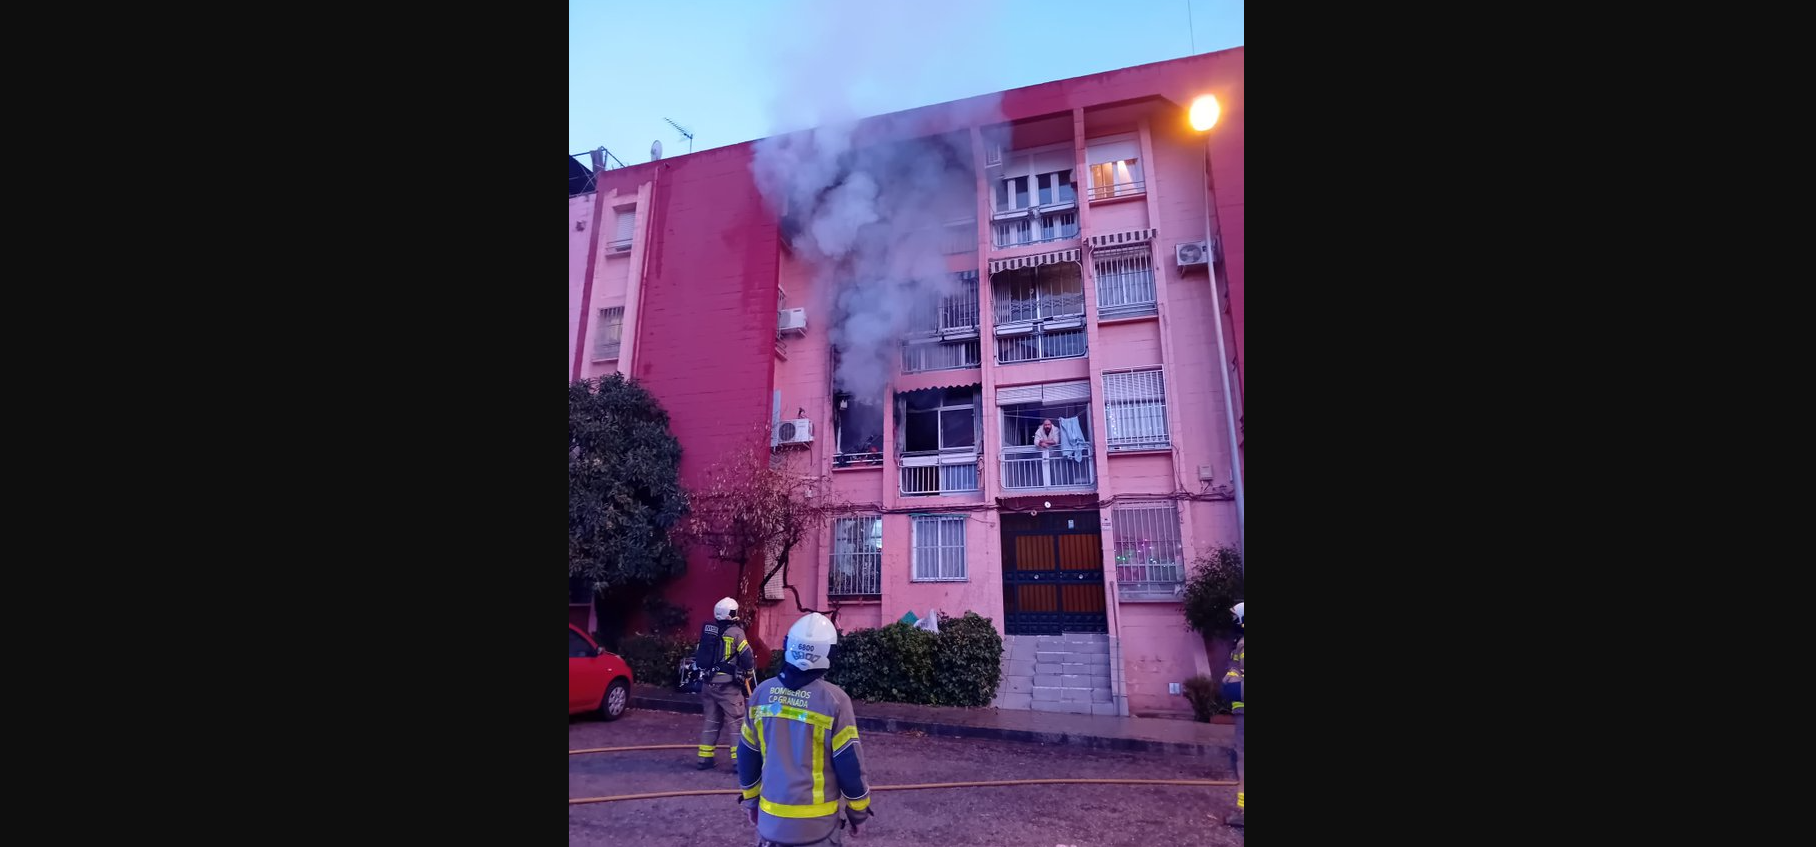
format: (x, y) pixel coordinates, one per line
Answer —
(845, 735)
(1238, 800)
(772, 710)
(742, 645)
(727, 640)
(861, 803)
(1235, 704)
(784, 810)
(752, 792)
(748, 737)
(819, 765)
(706, 751)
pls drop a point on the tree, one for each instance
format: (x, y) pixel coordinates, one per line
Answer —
(754, 508)
(1215, 586)
(624, 489)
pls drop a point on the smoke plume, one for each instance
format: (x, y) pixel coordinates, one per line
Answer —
(871, 218)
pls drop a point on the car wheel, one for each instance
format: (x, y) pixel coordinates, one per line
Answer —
(617, 700)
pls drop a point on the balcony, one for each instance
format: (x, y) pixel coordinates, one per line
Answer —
(1036, 345)
(941, 356)
(1038, 307)
(1120, 189)
(931, 473)
(1016, 229)
(1033, 468)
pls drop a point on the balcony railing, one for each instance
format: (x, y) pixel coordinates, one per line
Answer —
(1061, 344)
(928, 473)
(1035, 228)
(863, 459)
(1121, 189)
(1034, 467)
(941, 356)
(954, 314)
(1038, 307)
(856, 573)
(1153, 581)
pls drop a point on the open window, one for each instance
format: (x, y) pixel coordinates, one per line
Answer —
(937, 434)
(858, 425)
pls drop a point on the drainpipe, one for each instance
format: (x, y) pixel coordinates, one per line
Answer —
(592, 261)
(1223, 356)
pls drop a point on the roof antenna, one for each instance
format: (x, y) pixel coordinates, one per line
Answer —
(685, 133)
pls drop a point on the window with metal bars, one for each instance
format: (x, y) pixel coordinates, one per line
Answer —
(857, 556)
(611, 333)
(1125, 281)
(1150, 560)
(939, 548)
(1135, 409)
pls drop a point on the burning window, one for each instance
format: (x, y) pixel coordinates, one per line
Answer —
(939, 419)
(859, 425)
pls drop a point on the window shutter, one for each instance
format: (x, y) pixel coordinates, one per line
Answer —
(627, 221)
(1114, 148)
(1066, 392)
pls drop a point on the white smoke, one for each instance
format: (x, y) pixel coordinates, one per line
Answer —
(870, 218)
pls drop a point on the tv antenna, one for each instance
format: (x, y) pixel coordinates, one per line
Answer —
(685, 133)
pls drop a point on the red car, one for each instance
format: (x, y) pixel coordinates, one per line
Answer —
(598, 682)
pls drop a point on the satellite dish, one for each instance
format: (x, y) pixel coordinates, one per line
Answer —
(655, 150)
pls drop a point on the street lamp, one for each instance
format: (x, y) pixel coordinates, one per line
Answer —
(1204, 113)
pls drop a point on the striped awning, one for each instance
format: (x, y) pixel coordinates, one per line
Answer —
(1118, 239)
(1055, 257)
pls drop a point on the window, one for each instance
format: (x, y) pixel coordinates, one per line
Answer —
(1047, 171)
(1039, 293)
(627, 224)
(1150, 561)
(610, 334)
(939, 419)
(858, 426)
(857, 556)
(1115, 164)
(577, 646)
(939, 548)
(940, 355)
(1125, 281)
(1056, 188)
(1135, 409)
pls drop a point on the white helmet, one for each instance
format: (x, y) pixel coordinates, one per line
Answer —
(809, 644)
(1238, 610)
(725, 609)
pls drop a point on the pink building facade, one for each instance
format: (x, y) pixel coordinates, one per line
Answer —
(1082, 262)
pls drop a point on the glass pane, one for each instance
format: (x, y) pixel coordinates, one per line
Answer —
(922, 431)
(1066, 193)
(1021, 191)
(956, 429)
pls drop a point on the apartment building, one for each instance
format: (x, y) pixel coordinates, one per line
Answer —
(1058, 431)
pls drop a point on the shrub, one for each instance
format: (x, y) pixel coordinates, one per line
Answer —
(1203, 693)
(961, 666)
(1215, 586)
(665, 618)
(774, 667)
(655, 659)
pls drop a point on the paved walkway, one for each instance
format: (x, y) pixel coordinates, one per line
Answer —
(1096, 731)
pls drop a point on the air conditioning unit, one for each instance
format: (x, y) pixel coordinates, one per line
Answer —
(795, 432)
(1191, 253)
(791, 321)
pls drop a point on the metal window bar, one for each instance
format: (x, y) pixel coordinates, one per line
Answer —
(941, 356)
(1135, 409)
(1033, 467)
(607, 343)
(1125, 282)
(1039, 307)
(1062, 344)
(932, 479)
(939, 548)
(954, 312)
(857, 557)
(1150, 560)
(1120, 189)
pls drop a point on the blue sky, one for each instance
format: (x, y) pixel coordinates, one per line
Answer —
(734, 70)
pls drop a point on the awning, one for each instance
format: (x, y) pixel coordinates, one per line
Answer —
(1118, 239)
(1055, 257)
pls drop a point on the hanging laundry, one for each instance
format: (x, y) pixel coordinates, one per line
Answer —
(1072, 439)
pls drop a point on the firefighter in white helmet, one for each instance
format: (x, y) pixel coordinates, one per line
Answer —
(1232, 694)
(801, 759)
(727, 662)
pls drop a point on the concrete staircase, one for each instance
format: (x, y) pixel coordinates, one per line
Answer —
(1072, 673)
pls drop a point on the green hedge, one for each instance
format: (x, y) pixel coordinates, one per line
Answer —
(961, 666)
(655, 659)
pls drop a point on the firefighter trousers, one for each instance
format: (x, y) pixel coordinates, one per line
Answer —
(723, 705)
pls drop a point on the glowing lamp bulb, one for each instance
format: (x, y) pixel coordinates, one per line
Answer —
(1205, 112)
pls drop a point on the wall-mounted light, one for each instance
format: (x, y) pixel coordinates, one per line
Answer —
(1205, 111)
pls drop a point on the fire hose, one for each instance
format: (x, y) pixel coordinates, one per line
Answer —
(575, 801)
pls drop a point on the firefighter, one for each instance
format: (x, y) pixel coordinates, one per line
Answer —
(801, 759)
(1232, 693)
(727, 661)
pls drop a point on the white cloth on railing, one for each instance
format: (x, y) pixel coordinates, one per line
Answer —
(1072, 439)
